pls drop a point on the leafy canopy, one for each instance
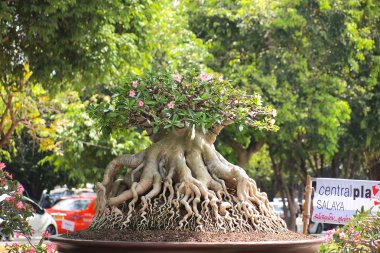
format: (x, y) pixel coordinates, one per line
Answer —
(166, 101)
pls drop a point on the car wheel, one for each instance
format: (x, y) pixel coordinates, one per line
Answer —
(51, 230)
(319, 229)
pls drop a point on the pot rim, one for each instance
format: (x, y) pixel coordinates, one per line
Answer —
(60, 239)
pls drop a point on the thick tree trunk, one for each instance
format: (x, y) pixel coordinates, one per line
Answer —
(182, 182)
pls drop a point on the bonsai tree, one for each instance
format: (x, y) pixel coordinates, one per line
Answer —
(181, 181)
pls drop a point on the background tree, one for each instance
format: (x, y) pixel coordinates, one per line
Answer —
(311, 60)
(60, 44)
(27, 168)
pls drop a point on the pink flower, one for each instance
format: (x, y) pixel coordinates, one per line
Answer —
(9, 199)
(341, 235)
(20, 205)
(205, 77)
(220, 78)
(140, 103)
(31, 250)
(20, 189)
(45, 235)
(2, 166)
(351, 229)
(15, 244)
(171, 105)
(135, 84)
(328, 238)
(132, 93)
(10, 176)
(236, 102)
(375, 243)
(51, 247)
(222, 92)
(177, 77)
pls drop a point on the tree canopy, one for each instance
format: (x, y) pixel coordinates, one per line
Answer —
(158, 102)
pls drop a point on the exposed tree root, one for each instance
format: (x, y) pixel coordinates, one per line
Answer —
(182, 182)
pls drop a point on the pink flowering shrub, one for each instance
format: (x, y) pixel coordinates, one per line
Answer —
(164, 102)
(361, 234)
(13, 216)
(12, 206)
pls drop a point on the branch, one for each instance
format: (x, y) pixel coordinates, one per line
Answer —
(218, 128)
(5, 39)
(215, 130)
(5, 137)
(2, 119)
(254, 146)
(145, 123)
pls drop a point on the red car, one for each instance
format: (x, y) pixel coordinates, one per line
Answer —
(77, 211)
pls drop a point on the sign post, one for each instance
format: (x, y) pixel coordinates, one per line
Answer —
(306, 207)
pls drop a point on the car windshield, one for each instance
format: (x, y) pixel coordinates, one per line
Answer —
(72, 204)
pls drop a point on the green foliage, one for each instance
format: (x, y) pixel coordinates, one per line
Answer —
(361, 234)
(80, 150)
(167, 101)
(172, 45)
(310, 59)
(317, 62)
(75, 41)
(27, 168)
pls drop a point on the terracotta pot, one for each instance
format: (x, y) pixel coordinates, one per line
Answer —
(86, 246)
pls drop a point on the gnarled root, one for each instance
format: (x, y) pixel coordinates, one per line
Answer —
(182, 182)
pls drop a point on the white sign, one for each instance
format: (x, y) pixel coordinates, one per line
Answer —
(68, 225)
(336, 200)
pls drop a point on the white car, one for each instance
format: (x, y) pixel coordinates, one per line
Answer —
(40, 222)
(314, 228)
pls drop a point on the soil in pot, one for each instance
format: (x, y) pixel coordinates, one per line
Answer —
(184, 236)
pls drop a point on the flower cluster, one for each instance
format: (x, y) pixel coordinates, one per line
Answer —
(28, 248)
(169, 101)
(14, 212)
(361, 234)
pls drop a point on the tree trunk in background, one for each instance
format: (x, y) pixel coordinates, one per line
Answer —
(243, 154)
(335, 166)
(374, 168)
(347, 164)
(286, 192)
